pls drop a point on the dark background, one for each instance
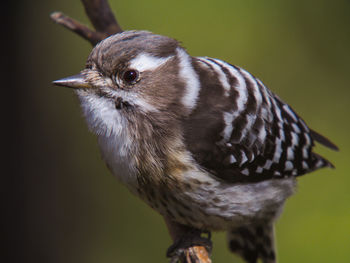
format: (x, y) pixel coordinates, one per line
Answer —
(62, 205)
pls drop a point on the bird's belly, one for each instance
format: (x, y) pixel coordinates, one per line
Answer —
(195, 198)
(216, 205)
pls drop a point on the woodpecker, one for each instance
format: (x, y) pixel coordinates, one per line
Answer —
(201, 141)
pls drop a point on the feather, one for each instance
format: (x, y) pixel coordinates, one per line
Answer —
(323, 140)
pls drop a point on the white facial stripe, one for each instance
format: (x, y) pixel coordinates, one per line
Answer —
(144, 62)
(190, 77)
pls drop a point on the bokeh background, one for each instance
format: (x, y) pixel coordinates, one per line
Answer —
(64, 205)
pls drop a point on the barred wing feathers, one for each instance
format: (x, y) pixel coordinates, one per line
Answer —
(240, 131)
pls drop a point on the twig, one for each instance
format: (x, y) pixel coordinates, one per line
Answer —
(197, 254)
(101, 17)
(92, 36)
(105, 24)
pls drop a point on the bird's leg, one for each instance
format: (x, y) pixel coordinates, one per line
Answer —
(189, 245)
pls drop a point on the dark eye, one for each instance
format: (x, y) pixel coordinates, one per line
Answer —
(130, 76)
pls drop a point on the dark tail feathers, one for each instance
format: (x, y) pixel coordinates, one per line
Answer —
(323, 140)
(253, 242)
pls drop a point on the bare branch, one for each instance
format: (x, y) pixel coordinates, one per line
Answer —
(92, 36)
(197, 254)
(101, 16)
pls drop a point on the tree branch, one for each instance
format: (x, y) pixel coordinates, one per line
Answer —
(105, 24)
(92, 36)
(197, 254)
(101, 17)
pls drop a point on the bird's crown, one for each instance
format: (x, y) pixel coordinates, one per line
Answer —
(120, 50)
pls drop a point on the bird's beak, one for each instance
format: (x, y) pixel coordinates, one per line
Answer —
(75, 82)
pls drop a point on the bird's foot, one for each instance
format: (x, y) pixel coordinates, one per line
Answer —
(179, 250)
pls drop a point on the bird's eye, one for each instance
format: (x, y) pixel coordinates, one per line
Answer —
(130, 76)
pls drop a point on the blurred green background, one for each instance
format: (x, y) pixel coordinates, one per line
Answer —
(75, 211)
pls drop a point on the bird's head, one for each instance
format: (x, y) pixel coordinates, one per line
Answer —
(134, 72)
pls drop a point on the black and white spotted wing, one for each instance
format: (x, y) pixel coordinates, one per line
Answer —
(241, 131)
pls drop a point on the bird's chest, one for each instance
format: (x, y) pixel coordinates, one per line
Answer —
(115, 151)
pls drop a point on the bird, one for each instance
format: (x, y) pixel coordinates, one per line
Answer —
(201, 141)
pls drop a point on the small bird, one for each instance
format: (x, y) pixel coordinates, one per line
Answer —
(201, 141)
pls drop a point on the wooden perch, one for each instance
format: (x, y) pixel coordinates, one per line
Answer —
(197, 254)
(105, 24)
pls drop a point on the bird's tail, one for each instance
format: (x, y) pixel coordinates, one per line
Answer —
(253, 242)
(323, 140)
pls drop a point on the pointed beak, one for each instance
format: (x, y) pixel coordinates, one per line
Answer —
(75, 82)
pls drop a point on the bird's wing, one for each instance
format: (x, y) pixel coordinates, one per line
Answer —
(248, 134)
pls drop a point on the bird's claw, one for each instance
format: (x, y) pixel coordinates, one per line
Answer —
(177, 250)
